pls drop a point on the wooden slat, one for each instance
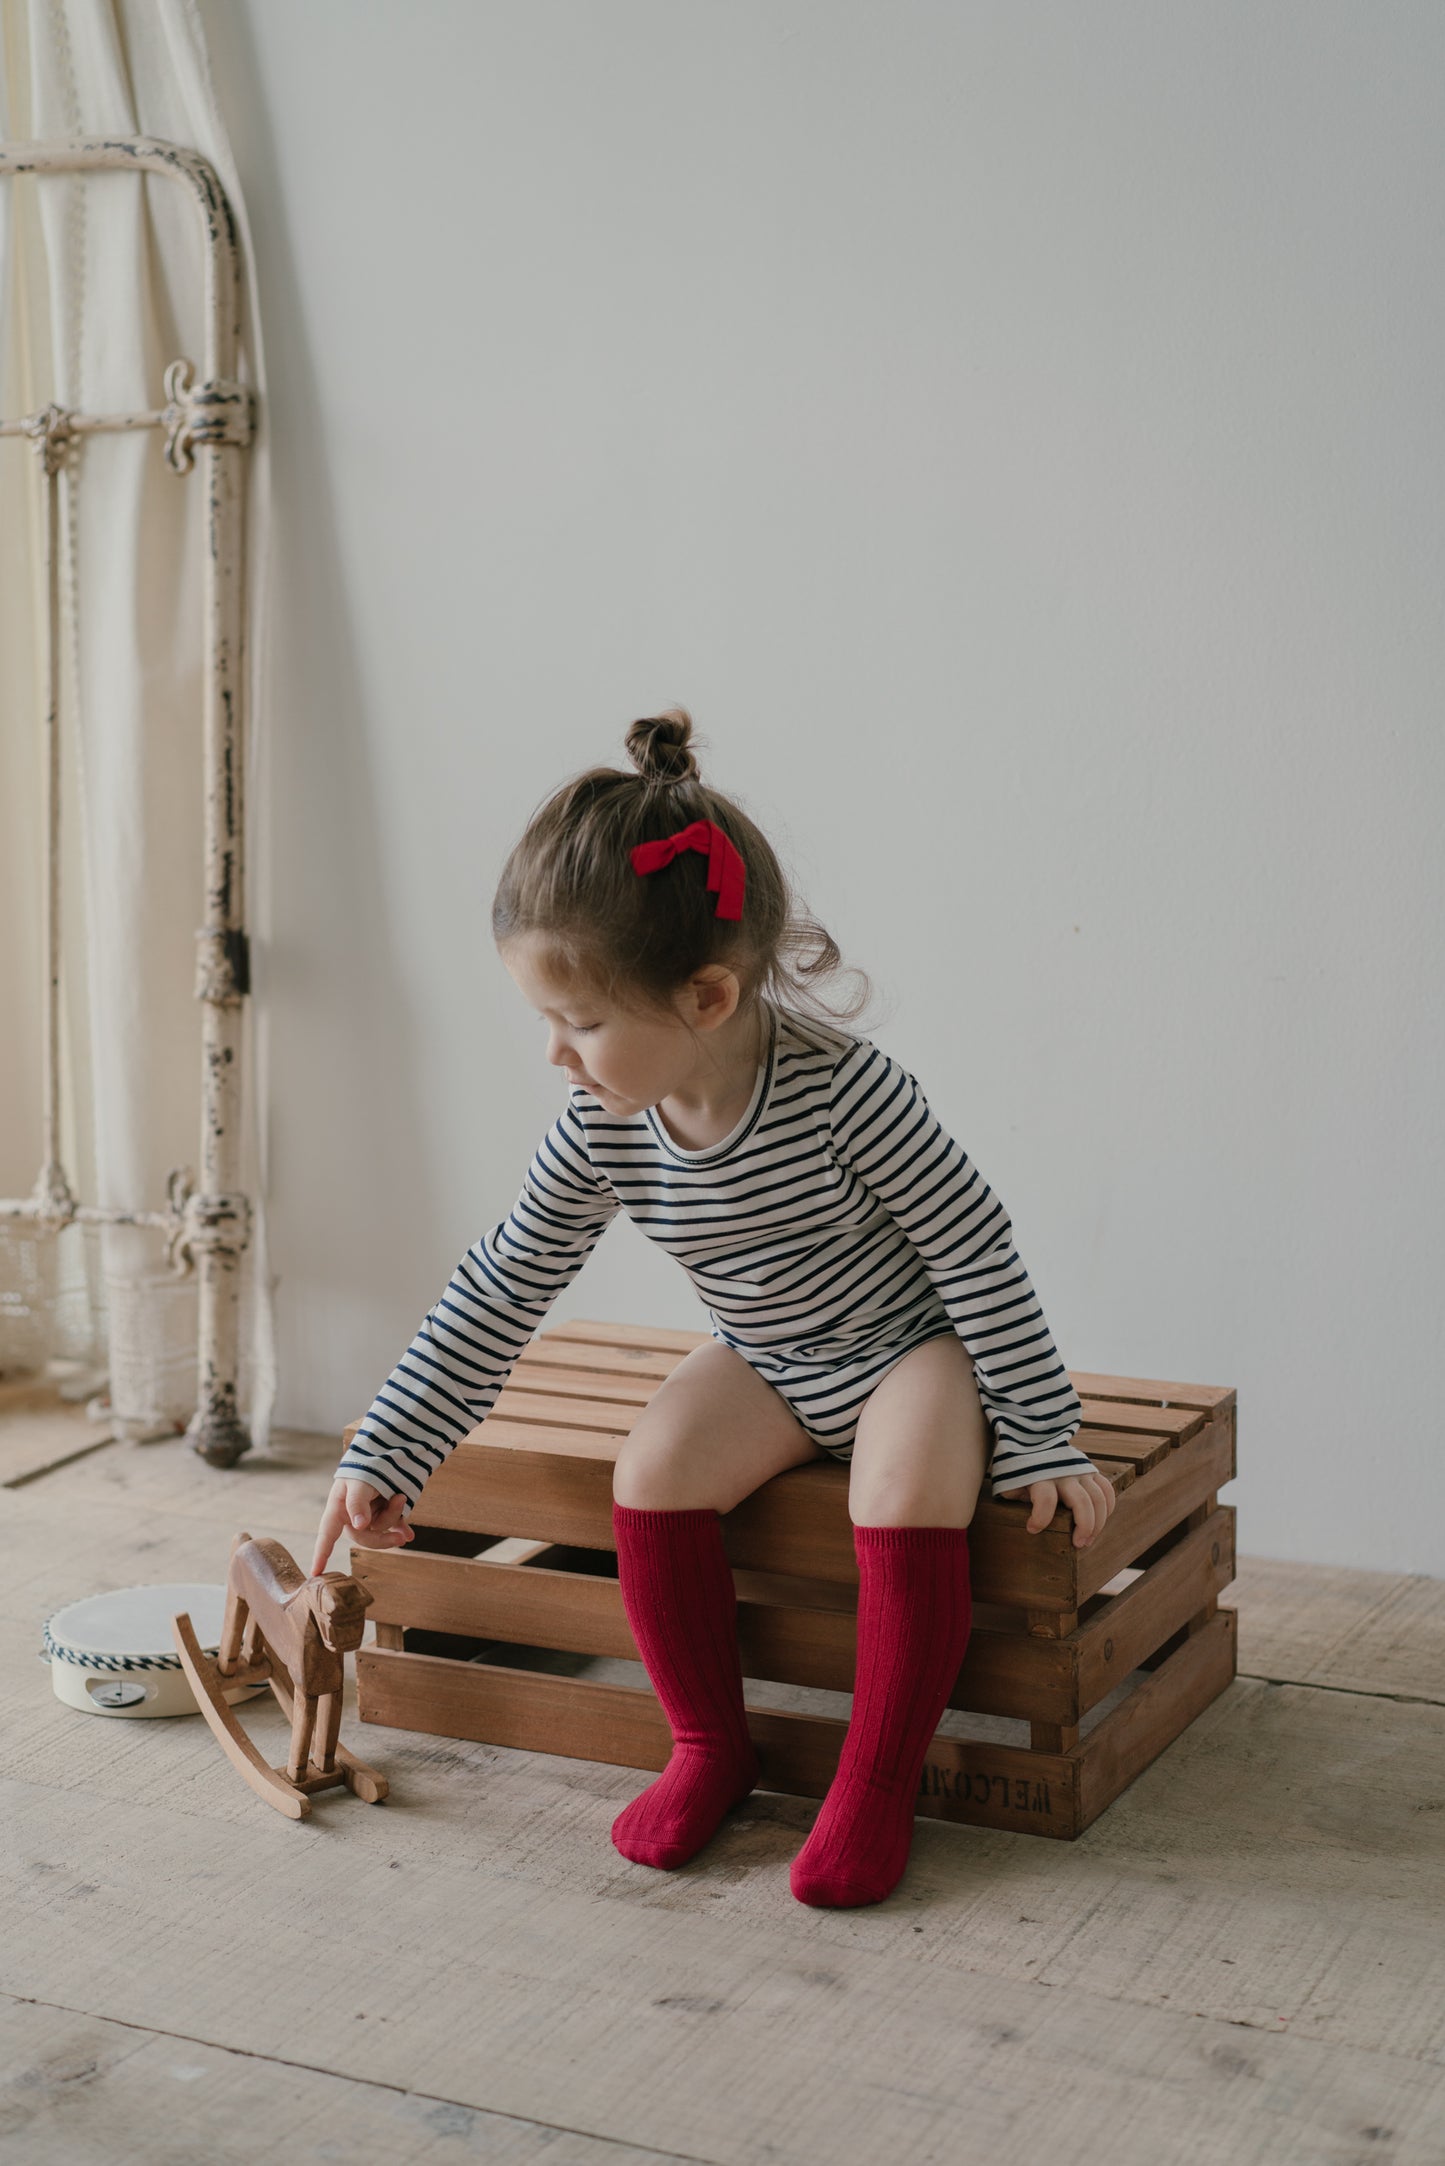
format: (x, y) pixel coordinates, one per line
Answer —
(1089, 1383)
(612, 1390)
(1174, 1422)
(1158, 1501)
(1131, 1625)
(621, 1724)
(549, 1351)
(552, 1493)
(544, 1410)
(1139, 1452)
(1212, 1399)
(564, 1442)
(803, 1632)
(1122, 1473)
(798, 1522)
(988, 1785)
(1147, 1719)
(561, 1491)
(528, 1605)
(807, 1641)
(649, 1336)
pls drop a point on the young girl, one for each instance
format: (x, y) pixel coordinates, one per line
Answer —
(847, 1250)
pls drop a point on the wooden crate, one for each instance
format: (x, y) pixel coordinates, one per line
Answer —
(1105, 1653)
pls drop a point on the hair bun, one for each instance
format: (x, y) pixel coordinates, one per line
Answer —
(658, 745)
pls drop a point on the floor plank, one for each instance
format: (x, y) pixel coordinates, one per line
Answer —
(40, 1430)
(77, 2090)
(1326, 1625)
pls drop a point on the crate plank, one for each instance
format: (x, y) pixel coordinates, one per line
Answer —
(651, 1337)
(530, 1605)
(1132, 1624)
(622, 1725)
(809, 1642)
(804, 1633)
(628, 1344)
(558, 1383)
(549, 1351)
(1122, 1473)
(988, 1785)
(1158, 1501)
(543, 1494)
(561, 1491)
(1147, 1719)
(614, 1417)
(499, 1434)
(1177, 1423)
(1215, 1400)
(1123, 1448)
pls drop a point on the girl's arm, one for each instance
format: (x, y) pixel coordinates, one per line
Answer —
(886, 1132)
(464, 1348)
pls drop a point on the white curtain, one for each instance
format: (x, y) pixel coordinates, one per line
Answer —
(100, 287)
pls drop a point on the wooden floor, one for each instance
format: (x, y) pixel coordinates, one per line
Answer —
(1242, 1960)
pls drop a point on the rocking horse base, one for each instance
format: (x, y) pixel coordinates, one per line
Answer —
(290, 1792)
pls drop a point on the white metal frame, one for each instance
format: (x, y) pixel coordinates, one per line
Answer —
(207, 425)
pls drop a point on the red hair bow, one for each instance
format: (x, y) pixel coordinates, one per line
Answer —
(726, 872)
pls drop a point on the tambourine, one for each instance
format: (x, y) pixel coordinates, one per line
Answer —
(114, 1654)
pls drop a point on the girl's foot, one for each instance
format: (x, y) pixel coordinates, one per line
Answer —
(858, 1847)
(682, 1810)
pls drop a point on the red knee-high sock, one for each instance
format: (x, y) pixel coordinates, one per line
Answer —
(915, 1610)
(677, 1590)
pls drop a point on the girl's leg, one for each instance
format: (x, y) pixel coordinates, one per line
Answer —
(922, 1443)
(918, 1463)
(709, 1436)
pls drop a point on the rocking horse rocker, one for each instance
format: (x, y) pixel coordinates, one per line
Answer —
(292, 1633)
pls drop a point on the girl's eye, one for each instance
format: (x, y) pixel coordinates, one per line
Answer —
(582, 1028)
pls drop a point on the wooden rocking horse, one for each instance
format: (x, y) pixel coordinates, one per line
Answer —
(292, 1633)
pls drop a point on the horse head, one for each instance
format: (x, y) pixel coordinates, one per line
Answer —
(339, 1604)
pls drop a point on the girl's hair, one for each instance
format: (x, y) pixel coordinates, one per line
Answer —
(636, 938)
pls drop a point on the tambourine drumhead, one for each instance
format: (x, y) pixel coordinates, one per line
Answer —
(114, 1654)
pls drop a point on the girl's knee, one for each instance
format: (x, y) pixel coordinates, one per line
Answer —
(948, 1499)
(653, 1478)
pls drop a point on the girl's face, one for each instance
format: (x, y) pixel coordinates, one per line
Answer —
(626, 1059)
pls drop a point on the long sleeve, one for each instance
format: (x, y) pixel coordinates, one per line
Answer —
(463, 1352)
(884, 1129)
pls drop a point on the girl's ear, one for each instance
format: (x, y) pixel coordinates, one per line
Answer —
(713, 994)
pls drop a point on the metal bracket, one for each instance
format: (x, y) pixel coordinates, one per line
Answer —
(221, 1224)
(52, 434)
(52, 1198)
(220, 412)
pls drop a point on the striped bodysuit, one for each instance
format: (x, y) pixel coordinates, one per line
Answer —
(837, 1227)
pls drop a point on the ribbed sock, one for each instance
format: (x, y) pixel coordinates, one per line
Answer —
(915, 1611)
(678, 1593)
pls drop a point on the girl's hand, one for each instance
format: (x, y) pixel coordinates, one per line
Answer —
(1088, 1496)
(355, 1508)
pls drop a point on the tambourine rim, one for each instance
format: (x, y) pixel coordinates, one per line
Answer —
(84, 1658)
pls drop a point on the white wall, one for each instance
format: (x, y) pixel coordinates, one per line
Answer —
(1015, 432)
